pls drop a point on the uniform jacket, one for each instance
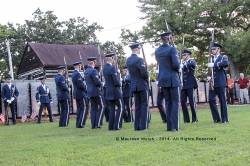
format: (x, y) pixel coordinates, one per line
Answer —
(93, 82)
(169, 65)
(188, 71)
(220, 79)
(112, 83)
(8, 93)
(138, 73)
(43, 95)
(126, 86)
(79, 85)
(61, 87)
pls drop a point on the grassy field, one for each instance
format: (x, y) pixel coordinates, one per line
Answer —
(47, 144)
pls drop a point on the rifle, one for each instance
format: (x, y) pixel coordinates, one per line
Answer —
(66, 70)
(181, 62)
(101, 68)
(80, 56)
(67, 82)
(149, 82)
(116, 63)
(210, 59)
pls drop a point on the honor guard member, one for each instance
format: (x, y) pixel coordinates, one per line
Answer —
(139, 87)
(168, 79)
(127, 114)
(189, 84)
(79, 94)
(63, 96)
(94, 93)
(218, 65)
(113, 93)
(44, 99)
(10, 94)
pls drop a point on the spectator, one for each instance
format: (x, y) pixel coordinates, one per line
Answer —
(230, 90)
(244, 85)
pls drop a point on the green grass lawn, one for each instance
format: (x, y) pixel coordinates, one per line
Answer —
(47, 144)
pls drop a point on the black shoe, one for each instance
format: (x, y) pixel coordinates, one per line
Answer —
(196, 121)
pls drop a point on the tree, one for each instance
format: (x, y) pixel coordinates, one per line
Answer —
(238, 47)
(127, 37)
(46, 28)
(110, 46)
(192, 18)
(5, 33)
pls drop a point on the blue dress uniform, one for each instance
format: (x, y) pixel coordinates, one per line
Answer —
(10, 94)
(169, 81)
(127, 114)
(44, 97)
(189, 84)
(220, 83)
(139, 88)
(79, 95)
(94, 84)
(63, 98)
(113, 95)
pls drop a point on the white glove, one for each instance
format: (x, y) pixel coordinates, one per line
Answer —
(210, 64)
(156, 82)
(208, 78)
(51, 102)
(181, 66)
(39, 103)
(9, 101)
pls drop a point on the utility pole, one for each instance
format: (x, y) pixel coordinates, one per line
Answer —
(10, 59)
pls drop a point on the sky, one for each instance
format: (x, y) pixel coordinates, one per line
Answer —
(113, 15)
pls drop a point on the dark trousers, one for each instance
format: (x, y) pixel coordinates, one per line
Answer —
(230, 95)
(64, 115)
(106, 110)
(171, 96)
(114, 115)
(160, 98)
(42, 107)
(141, 110)
(81, 113)
(220, 92)
(87, 105)
(13, 112)
(96, 111)
(127, 114)
(188, 93)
